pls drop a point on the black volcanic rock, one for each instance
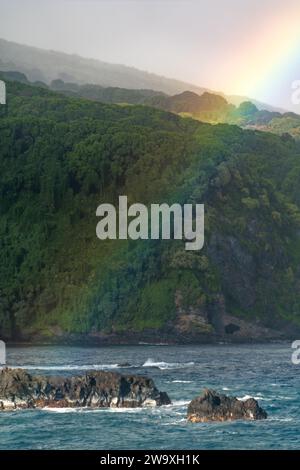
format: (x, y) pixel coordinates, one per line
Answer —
(100, 389)
(212, 406)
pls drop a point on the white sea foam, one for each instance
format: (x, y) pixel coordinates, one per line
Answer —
(63, 410)
(174, 423)
(122, 410)
(92, 410)
(182, 381)
(167, 365)
(284, 420)
(258, 397)
(176, 403)
(65, 367)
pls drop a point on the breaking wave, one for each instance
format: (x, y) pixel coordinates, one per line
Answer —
(167, 365)
(69, 367)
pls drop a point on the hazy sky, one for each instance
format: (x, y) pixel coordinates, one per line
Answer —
(248, 47)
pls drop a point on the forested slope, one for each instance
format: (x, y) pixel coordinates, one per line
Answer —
(61, 157)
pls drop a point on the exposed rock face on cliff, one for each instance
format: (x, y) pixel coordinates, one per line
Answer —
(19, 390)
(212, 406)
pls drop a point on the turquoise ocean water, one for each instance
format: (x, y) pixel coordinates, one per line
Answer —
(261, 371)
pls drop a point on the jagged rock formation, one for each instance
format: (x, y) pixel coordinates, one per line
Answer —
(212, 406)
(20, 390)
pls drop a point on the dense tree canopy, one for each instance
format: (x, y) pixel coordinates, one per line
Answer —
(60, 157)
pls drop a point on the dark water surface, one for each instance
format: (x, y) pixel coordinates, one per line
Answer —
(262, 371)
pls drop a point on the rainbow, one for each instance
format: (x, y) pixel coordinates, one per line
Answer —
(258, 64)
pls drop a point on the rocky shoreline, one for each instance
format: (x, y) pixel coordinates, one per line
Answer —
(102, 389)
(147, 337)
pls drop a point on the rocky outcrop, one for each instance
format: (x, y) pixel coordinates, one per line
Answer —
(19, 390)
(212, 406)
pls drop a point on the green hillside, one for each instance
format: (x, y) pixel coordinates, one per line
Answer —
(60, 157)
(208, 107)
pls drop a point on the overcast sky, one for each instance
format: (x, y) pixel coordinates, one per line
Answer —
(249, 47)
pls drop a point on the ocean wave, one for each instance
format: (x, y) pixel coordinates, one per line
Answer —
(181, 381)
(258, 397)
(91, 410)
(176, 403)
(119, 410)
(167, 365)
(175, 423)
(62, 410)
(284, 420)
(69, 367)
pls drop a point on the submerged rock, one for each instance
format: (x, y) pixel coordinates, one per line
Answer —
(99, 389)
(212, 406)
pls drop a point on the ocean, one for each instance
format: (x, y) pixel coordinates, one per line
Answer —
(264, 372)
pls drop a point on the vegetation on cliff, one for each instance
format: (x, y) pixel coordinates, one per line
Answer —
(60, 157)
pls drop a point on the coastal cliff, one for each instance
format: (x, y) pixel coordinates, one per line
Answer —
(61, 157)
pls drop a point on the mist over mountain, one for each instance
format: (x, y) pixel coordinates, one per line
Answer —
(207, 107)
(43, 65)
(47, 65)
